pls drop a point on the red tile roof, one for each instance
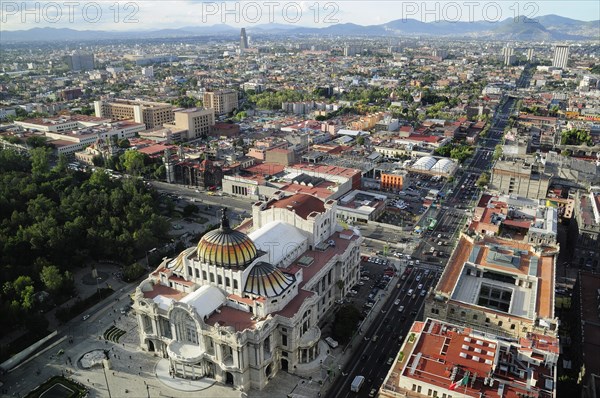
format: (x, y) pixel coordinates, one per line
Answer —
(302, 204)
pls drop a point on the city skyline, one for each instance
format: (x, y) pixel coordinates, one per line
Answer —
(146, 15)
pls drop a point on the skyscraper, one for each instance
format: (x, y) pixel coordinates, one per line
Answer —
(509, 55)
(530, 54)
(243, 39)
(78, 61)
(561, 56)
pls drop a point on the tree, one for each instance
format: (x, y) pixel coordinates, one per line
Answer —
(36, 141)
(124, 143)
(133, 271)
(483, 180)
(40, 161)
(360, 140)
(133, 161)
(51, 277)
(190, 209)
(345, 323)
(497, 152)
(61, 164)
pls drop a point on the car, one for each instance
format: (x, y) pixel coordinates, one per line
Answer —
(439, 236)
(373, 392)
(361, 283)
(418, 278)
(423, 292)
(410, 292)
(420, 286)
(374, 339)
(401, 308)
(85, 317)
(390, 360)
(397, 301)
(417, 262)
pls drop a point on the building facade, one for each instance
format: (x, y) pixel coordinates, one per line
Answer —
(222, 101)
(585, 230)
(561, 57)
(241, 307)
(152, 114)
(196, 122)
(519, 178)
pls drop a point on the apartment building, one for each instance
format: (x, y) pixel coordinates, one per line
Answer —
(152, 114)
(222, 101)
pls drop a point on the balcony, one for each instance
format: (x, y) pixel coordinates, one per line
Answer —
(309, 338)
(185, 352)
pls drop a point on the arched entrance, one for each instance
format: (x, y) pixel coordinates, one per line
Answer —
(150, 346)
(228, 378)
(268, 370)
(284, 364)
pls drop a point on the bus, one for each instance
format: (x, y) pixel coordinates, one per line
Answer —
(432, 224)
(357, 383)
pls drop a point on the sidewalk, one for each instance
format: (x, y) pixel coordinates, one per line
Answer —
(342, 358)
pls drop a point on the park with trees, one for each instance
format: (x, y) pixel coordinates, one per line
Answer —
(54, 220)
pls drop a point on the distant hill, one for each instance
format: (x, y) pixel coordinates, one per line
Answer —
(547, 27)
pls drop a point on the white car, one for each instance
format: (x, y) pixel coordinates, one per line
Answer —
(86, 317)
(401, 308)
(397, 301)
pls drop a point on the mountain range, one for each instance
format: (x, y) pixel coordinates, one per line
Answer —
(543, 28)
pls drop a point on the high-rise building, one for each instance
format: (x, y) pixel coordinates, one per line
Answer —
(530, 54)
(152, 114)
(222, 101)
(351, 50)
(509, 55)
(243, 39)
(80, 61)
(148, 72)
(561, 56)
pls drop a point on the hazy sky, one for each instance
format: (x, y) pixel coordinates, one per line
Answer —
(157, 14)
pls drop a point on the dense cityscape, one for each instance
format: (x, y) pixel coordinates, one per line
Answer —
(407, 209)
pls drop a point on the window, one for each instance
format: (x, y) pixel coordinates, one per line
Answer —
(414, 387)
(451, 311)
(418, 388)
(235, 284)
(219, 279)
(487, 320)
(474, 317)
(429, 392)
(227, 281)
(197, 272)
(512, 327)
(284, 339)
(499, 323)
(212, 277)
(463, 314)
(190, 270)
(204, 275)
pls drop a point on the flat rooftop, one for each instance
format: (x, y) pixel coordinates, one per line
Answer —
(500, 275)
